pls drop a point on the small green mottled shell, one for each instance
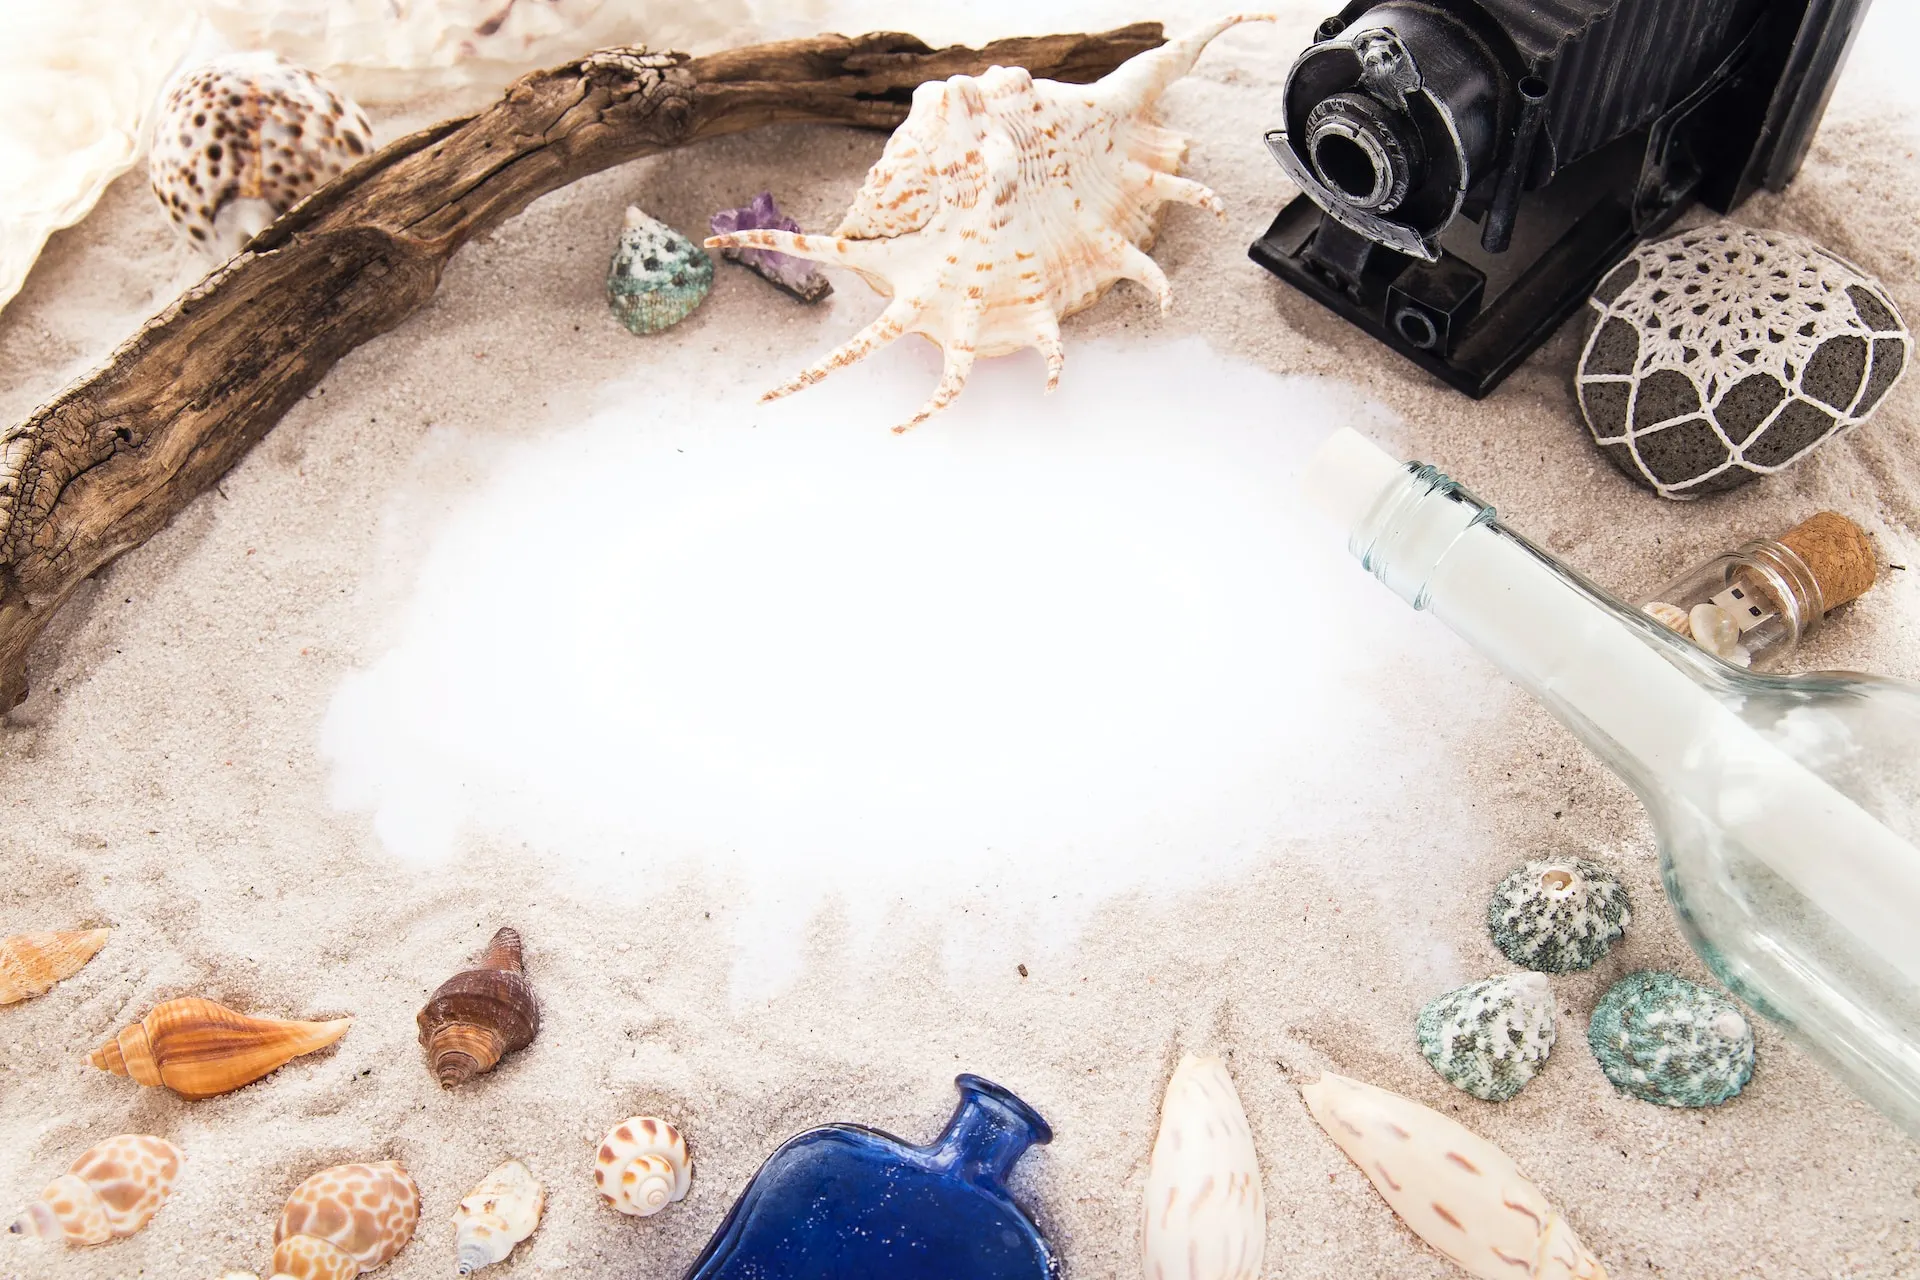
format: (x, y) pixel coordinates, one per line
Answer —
(1557, 915)
(658, 276)
(1489, 1038)
(1666, 1040)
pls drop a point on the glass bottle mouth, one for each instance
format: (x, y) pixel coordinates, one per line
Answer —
(985, 1090)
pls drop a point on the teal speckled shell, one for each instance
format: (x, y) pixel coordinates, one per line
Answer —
(658, 276)
(1666, 1040)
(1489, 1038)
(1558, 915)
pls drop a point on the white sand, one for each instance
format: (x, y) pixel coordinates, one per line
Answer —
(165, 778)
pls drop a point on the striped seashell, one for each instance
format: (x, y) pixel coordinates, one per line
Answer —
(199, 1049)
(1205, 1217)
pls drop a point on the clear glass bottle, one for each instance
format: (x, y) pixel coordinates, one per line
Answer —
(1785, 806)
(1757, 602)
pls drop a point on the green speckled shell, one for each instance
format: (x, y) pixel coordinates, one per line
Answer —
(658, 276)
(1666, 1040)
(1558, 915)
(1489, 1038)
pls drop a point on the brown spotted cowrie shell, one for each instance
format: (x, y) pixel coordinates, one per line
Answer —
(643, 1166)
(345, 1220)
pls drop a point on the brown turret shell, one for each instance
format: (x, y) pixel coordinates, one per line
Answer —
(479, 1016)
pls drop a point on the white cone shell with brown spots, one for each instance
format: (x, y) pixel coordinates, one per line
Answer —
(345, 1220)
(1457, 1191)
(643, 1166)
(112, 1190)
(1205, 1216)
(1003, 204)
(243, 139)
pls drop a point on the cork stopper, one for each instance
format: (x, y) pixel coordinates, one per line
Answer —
(1838, 552)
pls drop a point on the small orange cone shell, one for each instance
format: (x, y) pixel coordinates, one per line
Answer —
(30, 963)
(112, 1190)
(480, 1015)
(345, 1220)
(199, 1049)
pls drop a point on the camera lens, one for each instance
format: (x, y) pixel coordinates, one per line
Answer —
(1362, 151)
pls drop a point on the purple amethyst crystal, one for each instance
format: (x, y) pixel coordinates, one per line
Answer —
(795, 275)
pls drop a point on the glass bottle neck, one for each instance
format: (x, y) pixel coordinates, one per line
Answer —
(989, 1132)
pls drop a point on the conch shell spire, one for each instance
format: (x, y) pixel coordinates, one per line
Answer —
(199, 1049)
(1001, 205)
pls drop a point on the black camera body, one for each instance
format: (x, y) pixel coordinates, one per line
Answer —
(1566, 130)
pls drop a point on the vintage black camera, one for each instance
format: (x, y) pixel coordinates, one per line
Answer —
(1566, 129)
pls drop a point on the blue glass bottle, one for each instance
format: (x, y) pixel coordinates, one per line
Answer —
(845, 1202)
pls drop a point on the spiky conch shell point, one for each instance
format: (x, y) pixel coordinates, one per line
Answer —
(1004, 204)
(1457, 1191)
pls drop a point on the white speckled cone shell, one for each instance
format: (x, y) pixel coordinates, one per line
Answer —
(643, 1166)
(112, 1190)
(496, 1215)
(1205, 1216)
(1003, 204)
(1457, 1191)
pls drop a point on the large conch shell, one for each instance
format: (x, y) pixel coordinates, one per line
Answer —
(1205, 1217)
(643, 1166)
(345, 1220)
(480, 1015)
(112, 1190)
(1459, 1192)
(76, 84)
(1004, 204)
(30, 963)
(199, 1049)
(496, 1215)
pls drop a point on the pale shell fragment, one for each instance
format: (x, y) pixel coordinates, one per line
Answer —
(643, 1166)
(31, 963)
(112, 1190)
(1004, 204)
(1670, 616)
(496, 1215)
(1204, 1216)
(1714, 630)
(1457, 1191)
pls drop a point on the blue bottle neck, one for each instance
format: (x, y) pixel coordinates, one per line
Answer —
(989, 1132)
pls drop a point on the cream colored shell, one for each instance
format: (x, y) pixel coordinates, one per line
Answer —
(1003, 204)
(112, 1190)
(496, 1215)
(390, 50)
(76, 85)
(1205, 1217)
(643, 1166)
(1457, 1191)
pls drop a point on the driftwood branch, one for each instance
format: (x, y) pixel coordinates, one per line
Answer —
(104, 466)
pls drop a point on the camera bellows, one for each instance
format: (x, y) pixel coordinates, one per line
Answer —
(479, 1016)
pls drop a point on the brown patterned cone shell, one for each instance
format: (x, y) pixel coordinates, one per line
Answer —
(480, 1015)
(200, 1049)
(359, 1214)
(30, 963)
(112, 1190)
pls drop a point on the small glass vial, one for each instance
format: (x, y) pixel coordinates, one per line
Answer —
(1765, 597)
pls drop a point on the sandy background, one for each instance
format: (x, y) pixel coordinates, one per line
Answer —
(163, 778)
